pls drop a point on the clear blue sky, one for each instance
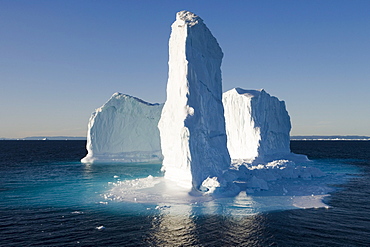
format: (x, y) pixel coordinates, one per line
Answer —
(61, 59)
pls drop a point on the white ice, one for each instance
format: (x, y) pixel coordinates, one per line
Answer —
(257, 125)
(192, 124)
(124, 129)
(163, 195)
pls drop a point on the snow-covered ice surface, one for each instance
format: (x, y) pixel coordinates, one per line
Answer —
(192, 124)
(124, 129)
(257, 177)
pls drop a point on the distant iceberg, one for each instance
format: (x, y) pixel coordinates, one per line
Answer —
(331, 138)
(124, 129)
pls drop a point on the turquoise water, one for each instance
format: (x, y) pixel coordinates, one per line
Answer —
(48, 198)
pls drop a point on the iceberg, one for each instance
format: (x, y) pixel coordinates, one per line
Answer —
(124, 129)
(257, 125)
(209, 143)
(258, 139)
(192, 123)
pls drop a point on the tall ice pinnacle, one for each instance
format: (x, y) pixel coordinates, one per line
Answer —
(192, 124)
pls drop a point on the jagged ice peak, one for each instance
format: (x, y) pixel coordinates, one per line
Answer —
(188, 17)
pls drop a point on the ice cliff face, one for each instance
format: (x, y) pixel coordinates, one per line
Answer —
(192, 124)
(124, 129)
(257, 125)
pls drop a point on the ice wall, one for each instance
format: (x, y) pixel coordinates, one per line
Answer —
(192, 124)
(124, 129)
(257, 125)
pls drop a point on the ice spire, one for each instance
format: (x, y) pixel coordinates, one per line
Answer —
(192, 124)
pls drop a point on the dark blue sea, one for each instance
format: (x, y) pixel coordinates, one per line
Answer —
(49, 198)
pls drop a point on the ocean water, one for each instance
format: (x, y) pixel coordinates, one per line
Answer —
(48, 198)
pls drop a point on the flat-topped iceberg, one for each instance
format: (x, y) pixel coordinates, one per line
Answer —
(192, 124)
(257, 125)
(124, 129)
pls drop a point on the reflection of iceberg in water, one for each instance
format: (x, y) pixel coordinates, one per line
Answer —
(173, 227)
(182, 226)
